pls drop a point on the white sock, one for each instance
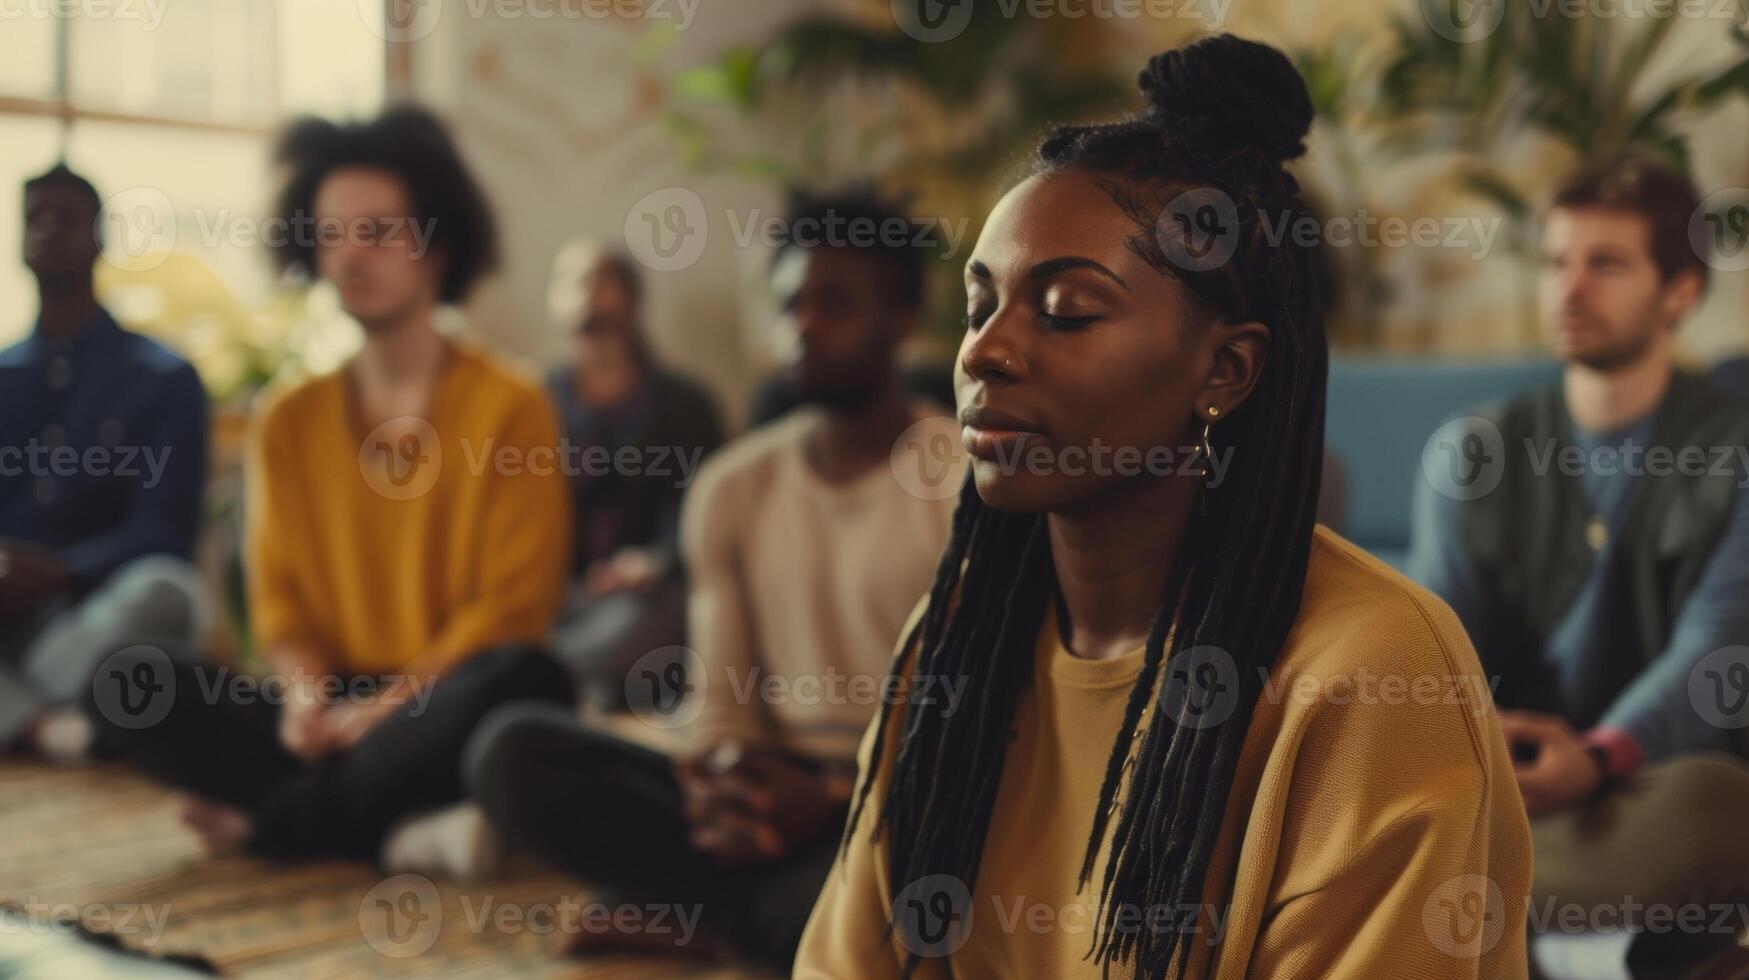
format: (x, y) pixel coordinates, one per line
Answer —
(455, 842)
(1583, 956)
(64, 737)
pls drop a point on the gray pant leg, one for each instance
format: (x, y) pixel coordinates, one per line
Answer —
(158, 601)
(603, 637)
(18, 702)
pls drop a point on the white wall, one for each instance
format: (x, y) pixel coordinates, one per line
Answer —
(561, 121)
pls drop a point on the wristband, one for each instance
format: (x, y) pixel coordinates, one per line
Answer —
(1615, 750)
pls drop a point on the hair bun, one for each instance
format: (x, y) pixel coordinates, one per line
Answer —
(1232, 93)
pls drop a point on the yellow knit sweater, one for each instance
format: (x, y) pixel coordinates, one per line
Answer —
(1374, 828)
(411, 546)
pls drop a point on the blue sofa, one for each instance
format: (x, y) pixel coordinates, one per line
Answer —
(1379, 415)
(1382, 410)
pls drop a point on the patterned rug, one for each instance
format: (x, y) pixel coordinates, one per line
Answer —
(104, 845)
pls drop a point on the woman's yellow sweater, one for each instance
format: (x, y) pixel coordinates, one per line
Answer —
(1374, 828)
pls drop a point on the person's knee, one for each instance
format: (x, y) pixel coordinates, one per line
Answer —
(517, 672)
(159, 596)
(504, 748)
(1708, 795)
(133, 688)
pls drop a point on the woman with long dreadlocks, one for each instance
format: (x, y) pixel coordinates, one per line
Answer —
(1201, 736)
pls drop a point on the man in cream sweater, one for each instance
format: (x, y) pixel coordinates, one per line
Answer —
(807, 544)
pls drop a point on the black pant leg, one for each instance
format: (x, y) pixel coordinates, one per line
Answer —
(772, 902)
(604, 809)
(611, 813)
(190, 725)
(410, 762)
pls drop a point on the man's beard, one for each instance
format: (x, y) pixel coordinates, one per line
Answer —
(841, 398)
(389, 322)
(1617, 354)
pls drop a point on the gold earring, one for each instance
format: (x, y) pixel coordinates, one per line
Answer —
(1213, 411)
(1207, 449)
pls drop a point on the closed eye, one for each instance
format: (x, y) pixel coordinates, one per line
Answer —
(1065, 323)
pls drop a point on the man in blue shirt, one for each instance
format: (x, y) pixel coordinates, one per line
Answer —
(1594, 539)
(103, 460)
